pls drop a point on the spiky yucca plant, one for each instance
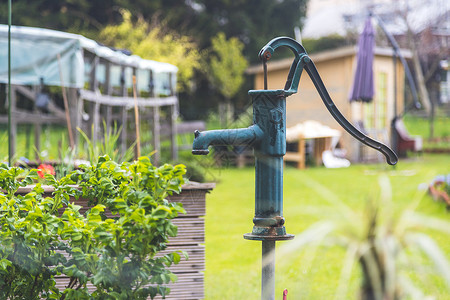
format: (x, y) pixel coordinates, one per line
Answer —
(387, 241)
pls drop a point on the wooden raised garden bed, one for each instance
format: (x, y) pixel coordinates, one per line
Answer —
(190, 238)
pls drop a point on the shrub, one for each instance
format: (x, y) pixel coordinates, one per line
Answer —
(118, 254)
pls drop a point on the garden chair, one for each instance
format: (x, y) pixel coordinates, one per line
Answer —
(406, 142)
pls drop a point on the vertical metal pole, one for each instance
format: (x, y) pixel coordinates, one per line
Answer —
(10, 146)
(268, 270)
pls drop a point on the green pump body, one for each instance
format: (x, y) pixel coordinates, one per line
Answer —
(269, 114)
(267, 136)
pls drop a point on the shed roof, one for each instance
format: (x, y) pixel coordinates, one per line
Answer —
(325, 56)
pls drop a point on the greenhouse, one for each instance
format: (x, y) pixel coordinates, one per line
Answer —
(96, 80)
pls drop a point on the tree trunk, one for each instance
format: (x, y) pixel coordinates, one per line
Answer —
(423, 92)
(421, 83)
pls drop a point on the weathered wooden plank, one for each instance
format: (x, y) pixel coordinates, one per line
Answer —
(173, 132)
(156, 140)
(75, 112)
(126, 100)
(37, 139)
(23, 117)
(190, 231)
(189, 286)
(194, 263)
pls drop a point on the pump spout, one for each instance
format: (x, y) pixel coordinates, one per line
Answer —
(242, 136)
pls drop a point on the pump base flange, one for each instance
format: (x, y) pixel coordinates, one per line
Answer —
(270, 233)
(254, 237)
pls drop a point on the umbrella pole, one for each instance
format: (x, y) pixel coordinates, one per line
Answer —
(393, 131)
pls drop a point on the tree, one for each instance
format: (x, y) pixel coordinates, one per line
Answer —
(254, 22)
(226, 66)
(428, 48)
(154, 41)
(81, 16)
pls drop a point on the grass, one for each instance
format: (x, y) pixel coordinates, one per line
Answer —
(55, 138)
(51, 137)
(421, 126)
(233, 264)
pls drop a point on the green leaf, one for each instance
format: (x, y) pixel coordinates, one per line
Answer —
(161, 212)
(173, 277)
(4, 264)
(176, 258)
(76, 236)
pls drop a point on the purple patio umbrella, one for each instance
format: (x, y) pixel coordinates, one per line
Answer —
(363, 87)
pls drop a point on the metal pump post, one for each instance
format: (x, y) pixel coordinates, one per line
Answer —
(267, 136)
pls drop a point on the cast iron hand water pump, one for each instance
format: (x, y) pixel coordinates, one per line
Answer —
(267, 136)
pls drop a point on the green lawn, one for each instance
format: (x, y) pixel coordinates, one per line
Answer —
(421, 126)
(233, 264)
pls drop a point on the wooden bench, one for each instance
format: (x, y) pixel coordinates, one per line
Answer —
(300, 156)
(321, 143)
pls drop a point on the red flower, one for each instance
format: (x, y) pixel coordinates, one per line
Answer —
(45, 169)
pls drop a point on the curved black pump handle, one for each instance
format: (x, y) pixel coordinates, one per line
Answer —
(295, 71)
(301, 61)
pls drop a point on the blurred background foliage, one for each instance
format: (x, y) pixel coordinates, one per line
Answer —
(174, 31)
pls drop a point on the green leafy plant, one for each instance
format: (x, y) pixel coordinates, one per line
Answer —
(108, 145)
(28, 238)
(114, 245)
(67, 158)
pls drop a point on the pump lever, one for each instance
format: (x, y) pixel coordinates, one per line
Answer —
(311, 69)
(302, 61)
